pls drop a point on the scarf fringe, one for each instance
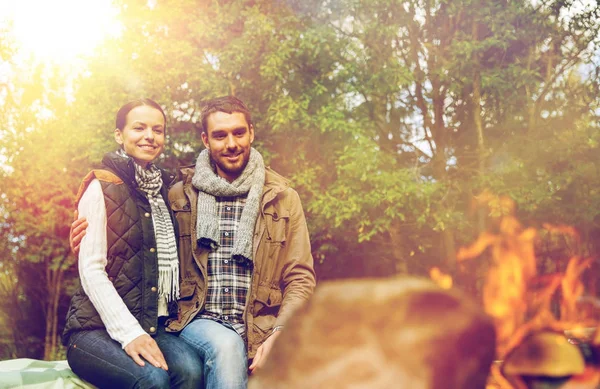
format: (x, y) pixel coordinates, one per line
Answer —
(168, 285)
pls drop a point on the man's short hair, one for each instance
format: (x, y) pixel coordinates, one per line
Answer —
(227, 104)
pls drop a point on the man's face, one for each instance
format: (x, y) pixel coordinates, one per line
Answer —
(228, 139)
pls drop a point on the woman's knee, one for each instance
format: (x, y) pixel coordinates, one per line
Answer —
(186, 372)
(153, 378)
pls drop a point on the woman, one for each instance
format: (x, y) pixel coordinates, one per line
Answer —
(128, 267)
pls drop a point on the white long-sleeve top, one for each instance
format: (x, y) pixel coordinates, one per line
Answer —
(120, 324)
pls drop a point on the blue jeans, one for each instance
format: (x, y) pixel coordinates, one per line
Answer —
(223, 352)
(98, 359)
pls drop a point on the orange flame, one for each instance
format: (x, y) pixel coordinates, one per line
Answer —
(514, 295)
(513, 268)
(443, 280)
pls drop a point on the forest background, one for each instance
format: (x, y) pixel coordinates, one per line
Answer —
(391, 118)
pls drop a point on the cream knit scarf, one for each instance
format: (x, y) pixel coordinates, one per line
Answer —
(210, 186)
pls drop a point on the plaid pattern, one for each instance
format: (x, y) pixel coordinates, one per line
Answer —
(35, 374)
(228, 280)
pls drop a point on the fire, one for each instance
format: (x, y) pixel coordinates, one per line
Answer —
(572, 289)
(512, 270)
(514, 294)
(443, 280)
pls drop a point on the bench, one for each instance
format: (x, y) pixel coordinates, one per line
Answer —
(35, 374)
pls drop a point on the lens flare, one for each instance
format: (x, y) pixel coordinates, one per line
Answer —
(60, 31)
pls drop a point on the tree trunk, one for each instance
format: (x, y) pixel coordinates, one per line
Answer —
(55, 337)
(53, 286)
(398, 249)
(476, 104)
(48, 352)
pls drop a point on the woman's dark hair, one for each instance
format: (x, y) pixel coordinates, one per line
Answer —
(227, 104)
(125, 109)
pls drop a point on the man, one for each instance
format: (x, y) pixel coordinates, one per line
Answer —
(245, 258)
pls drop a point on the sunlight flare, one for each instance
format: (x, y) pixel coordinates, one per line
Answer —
(60, 31)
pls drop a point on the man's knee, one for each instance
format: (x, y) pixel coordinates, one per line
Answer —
(230, 347)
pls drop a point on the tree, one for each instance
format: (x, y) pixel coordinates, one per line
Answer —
(38, 194)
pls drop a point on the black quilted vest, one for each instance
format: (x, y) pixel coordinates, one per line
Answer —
(132, 258)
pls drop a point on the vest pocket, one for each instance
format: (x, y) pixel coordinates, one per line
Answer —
(114, 263)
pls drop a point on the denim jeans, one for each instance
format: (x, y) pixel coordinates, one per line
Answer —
(98, 359)
(223, 352)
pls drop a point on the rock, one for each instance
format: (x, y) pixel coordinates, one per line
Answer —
(547, 354)
(401, 332)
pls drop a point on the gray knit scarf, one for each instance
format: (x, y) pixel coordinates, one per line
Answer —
(149, 180)
(210, 186)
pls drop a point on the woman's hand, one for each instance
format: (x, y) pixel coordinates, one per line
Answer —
(146, 347)
(77, 232)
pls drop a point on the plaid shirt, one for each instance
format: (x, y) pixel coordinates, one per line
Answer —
(228, 280)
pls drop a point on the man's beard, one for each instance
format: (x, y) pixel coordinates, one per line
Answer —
(215, 162)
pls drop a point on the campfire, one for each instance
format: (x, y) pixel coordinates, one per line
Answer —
(546, 327)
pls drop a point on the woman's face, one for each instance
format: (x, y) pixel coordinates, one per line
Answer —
(143, 136)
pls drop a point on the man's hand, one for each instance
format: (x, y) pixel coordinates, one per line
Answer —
(77, 232)
(146, 347)
(263, 352)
